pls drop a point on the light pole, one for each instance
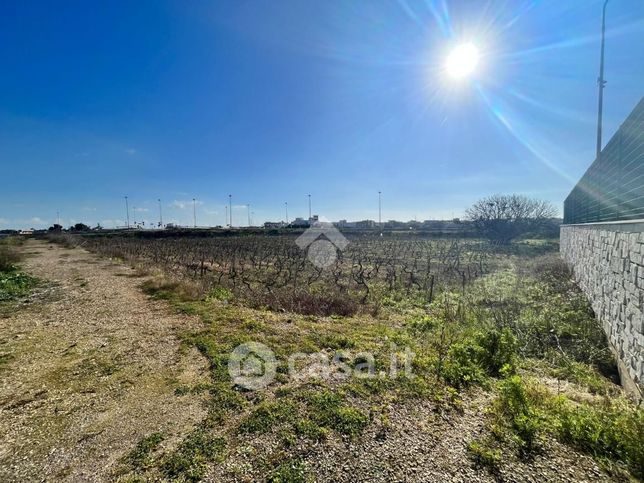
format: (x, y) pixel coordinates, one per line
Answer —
(286, 208)
(226, 224)
(601, 83)
(160, 215)
(380, 209)
(230, 204)
(134, 215)
(127, 212)
(194, 213)
(248, 210)
(310, 208)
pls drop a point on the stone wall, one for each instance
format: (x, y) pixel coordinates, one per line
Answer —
(608, 262)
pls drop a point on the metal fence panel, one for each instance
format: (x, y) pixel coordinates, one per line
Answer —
(612, 189)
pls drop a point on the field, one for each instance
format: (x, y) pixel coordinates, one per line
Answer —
(409, 358)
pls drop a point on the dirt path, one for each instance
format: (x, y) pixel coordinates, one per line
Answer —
(91, 367)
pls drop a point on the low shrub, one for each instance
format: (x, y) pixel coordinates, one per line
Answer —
(14, 284)
(516, 407)
(308, 302)
(8, 258)
(613, 429)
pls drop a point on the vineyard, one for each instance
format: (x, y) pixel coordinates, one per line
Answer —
(273, 271)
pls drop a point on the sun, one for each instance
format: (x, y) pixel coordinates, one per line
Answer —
(462, 61)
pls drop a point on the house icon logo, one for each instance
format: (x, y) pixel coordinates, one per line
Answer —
(252, 366)
(322, 242)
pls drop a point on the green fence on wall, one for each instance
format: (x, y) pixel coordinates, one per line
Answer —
(612, 189)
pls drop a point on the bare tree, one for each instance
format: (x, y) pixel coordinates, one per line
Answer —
(503, 218)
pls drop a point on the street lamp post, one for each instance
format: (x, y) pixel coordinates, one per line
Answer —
(380, 209)
(127, 212)
(601, 83)
(310, 208)
(230, 210)
(286, 208)
(160, 215)
(194, 212)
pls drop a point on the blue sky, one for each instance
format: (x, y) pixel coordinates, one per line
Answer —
(271, 100)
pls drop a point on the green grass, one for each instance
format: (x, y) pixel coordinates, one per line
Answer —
(15, 284)
(140, 457)
(189, 461)
(609, 429)
(291, 471)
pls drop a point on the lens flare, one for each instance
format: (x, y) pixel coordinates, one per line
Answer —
(462, 61)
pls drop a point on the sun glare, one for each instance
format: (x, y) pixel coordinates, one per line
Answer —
(462, 61)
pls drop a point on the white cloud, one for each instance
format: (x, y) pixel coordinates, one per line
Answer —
(182, 204)
(130, 151)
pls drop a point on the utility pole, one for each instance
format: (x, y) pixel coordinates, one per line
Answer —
(134, 215)
(226, 216)
(601, 83)
(248, 210)
(286, 207)
(160, 215)
(230, 204)
(194, 212)
(310, 208)
(127, 212)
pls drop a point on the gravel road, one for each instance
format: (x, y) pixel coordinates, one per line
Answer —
(91, 368)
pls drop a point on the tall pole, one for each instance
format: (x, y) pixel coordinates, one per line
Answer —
(127, 212)
(226, 216)
(601, 83)
(194, 212)
(160, 214)
(134, 214)
(230, 210)
(310, 208)
(380, 209)
(248, 210)
(58, 218)
(286, 208)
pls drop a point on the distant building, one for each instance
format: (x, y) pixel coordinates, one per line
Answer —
(300, 223)
(30, 231)
(274, 224)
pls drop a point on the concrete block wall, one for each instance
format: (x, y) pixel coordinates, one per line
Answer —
(608, 263)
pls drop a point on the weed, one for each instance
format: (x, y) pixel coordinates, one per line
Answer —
(266, 415)
(14, 284)
(292, 471)
(327, 409)
(484, 454)
(189, 460)
(8, 258)
(140, 457)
